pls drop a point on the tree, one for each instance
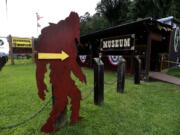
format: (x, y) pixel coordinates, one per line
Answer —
(86, 17)
(175, 8)
(164, 7)
(142, 9)
(99, 22)
(115, 11)
(85, 25)
(92, 23)
(154, 8)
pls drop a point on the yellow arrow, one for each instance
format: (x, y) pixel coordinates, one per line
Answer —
(63, 55)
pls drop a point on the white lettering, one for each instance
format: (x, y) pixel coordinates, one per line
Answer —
(105, 44)
(121, 43)
(116, 43)
(127, 42)
(109, 44)
(112, 43)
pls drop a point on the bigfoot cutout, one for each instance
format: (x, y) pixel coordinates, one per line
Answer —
(54, 41)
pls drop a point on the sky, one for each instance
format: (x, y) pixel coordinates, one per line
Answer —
(20, 18)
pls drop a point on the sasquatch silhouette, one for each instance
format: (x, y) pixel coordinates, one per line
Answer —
(55, 38)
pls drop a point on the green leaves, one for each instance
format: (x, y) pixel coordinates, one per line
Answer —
(115, 11)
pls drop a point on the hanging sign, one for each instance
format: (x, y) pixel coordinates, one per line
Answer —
(120, 43)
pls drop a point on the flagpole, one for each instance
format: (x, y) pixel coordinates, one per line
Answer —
(6, 10)
(7, 22)
(38, 17)
(37, 28)
(37, 24)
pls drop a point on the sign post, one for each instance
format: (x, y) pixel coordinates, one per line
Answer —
(11, 50)
(137, 69)
(33, 51)
(121, 75)
(98, 81)
(119, 45)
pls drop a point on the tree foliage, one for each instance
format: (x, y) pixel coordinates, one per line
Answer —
(142, 9)
(115, 12)
(154, 8)
(92, 23)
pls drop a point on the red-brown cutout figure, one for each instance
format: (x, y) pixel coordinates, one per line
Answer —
(54, 39)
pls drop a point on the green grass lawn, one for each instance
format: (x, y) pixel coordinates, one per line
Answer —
(148, 109)
(174, 72)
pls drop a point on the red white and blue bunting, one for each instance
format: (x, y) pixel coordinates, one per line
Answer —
(83, 58)
(114, 59)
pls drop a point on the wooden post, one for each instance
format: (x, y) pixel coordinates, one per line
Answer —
(171, 42)
(11, 49)
(137, 69)
(121, 69)
(91, 56)
(148, 56)
(161, 62)
(98, 81)
(33, 51)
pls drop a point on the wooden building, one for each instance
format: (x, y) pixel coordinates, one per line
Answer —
(174, 55)
(147, 38)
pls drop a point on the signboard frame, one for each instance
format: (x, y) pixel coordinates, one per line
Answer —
(123, 43)
(18, 42)
(21, 46)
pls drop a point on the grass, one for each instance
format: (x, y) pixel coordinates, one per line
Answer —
(148, 109)
(174, 71)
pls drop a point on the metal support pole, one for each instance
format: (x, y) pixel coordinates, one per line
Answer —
(98, 81)
(137, 69)
(121, 75)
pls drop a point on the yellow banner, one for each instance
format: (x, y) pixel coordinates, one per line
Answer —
(21, 42)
